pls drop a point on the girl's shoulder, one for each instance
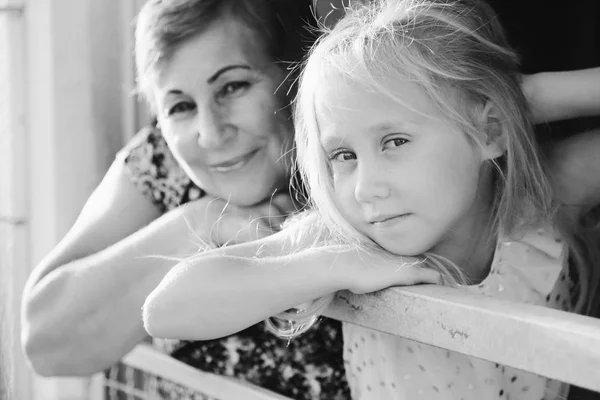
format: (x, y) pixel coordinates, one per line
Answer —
(154, 171)
(529, 268)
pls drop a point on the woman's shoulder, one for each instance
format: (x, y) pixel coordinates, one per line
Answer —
(154, 171)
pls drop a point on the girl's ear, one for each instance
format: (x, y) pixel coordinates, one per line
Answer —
(494, 144)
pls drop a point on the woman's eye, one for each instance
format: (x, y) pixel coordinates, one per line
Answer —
(233, 88)
(395, 142)
(341, 156)
(181, 107)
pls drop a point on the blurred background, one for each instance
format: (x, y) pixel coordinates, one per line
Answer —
(67, 106)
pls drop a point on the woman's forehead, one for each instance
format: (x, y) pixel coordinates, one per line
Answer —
(226, 37)
(222, 44)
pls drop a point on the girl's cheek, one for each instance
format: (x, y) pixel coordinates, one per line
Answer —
(344, 190)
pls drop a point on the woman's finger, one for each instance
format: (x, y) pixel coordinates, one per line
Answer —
(284, 203)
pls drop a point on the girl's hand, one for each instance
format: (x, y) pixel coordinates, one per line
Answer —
(369, 272)
(229, 224)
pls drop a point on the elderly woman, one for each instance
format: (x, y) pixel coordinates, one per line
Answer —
(217, 75)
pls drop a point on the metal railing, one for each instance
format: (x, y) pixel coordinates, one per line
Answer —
(556, 344)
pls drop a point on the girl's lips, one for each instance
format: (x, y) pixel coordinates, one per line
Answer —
(234, 163)
(387, 219)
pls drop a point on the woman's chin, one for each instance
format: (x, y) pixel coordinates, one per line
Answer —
(250, 195)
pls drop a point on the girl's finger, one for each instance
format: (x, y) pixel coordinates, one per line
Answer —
(416, 274)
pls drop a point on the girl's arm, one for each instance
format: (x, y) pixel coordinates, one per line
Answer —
(82, 303)
(556, 96)
(224, 291)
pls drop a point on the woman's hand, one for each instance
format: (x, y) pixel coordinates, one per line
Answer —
(229, 224)
(554, 96)
(528, 85)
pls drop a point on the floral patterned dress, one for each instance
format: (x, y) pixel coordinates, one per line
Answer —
(309, 367)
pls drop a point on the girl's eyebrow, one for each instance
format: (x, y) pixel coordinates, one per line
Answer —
(221, 71)
(388, 126)
(332, 142)
(335, 141)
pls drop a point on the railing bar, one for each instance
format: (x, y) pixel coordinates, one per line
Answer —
(552, 343)
(555, 344)
(125, 389)
(148, 359)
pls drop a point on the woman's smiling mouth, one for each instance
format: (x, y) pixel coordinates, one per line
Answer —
(233, 163)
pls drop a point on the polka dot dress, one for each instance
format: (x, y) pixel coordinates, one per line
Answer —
(381, 366)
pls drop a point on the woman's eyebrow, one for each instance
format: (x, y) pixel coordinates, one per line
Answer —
(216, 75)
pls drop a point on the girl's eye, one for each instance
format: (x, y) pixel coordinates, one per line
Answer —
(233, 88)
(342, 155)
(395, 142)
(181, 107)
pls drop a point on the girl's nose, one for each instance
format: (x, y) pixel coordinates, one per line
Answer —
(371, 183)
(214, 130)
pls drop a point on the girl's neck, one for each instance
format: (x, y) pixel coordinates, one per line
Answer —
(477, 267)
(472, 250)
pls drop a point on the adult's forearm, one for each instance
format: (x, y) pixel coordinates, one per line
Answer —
(564, 95)
(85, 315)
(217, 295)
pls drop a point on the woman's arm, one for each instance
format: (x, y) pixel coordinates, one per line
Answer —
(556, 96)
(224, 291)
(575, 172)
(82, 303)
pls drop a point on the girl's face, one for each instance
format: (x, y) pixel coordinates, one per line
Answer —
(404, 177)
(224, 115)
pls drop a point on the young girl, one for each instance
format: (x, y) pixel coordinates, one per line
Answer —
(414, 139)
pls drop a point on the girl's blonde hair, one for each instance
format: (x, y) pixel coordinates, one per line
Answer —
(458, 54)
(456, 50)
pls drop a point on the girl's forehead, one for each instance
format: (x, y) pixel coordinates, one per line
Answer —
(338, 95)
(333, 90)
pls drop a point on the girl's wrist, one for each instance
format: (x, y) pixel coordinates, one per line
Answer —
(333, 271)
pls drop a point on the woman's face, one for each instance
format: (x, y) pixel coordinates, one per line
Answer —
(223, 111)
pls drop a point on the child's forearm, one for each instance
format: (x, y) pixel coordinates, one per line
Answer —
(563, 95)
(217, 295)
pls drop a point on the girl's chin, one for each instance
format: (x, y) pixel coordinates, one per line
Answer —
(399, 250)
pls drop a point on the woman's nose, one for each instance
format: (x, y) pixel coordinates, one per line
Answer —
(213, 127)
(371, 183)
